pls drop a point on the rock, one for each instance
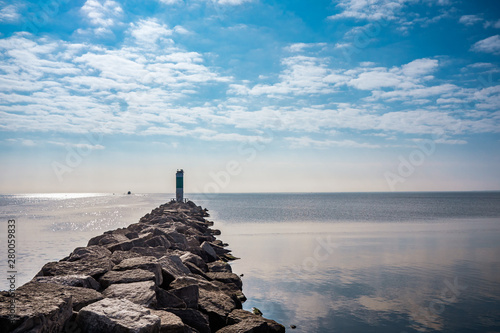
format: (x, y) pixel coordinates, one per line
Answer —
(194, 259)
(127, 245)
(172, 268)
(226, 277)
(90, 266)
(128, 276)
(158, 241)
(146, 263)
(219, 266)
(178, 241)
(156, 252)
(195, 270)
(108, 238)
(170, 323)
(219, 249)
(184, 281)
(209, 251)
(193, 318)
(83, 281)
(142, 293)
(117, 315)
(166, 299)
(239, 316)
(246, 326)
(217, 305)
(232, 291)
(189, 294)
(94, 251)
(39, 307)
(118, 256)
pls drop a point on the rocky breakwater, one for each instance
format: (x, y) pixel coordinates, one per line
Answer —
(166, 273)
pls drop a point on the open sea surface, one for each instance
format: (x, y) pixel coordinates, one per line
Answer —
(325, 262)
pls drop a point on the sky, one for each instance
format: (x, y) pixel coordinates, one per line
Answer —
(249, 95)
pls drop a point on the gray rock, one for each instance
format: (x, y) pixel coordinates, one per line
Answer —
(184, 281)
(158, 241)
(108, 238)
(128, 276)
(189, 294)
(118, 256)
(39, 307)
(127, 245)
(195, 270)
(146, 263)
(94, 251)
(142, 293)
(156, 252)
(217, 305)
(194, 259)
(246, 326)
(166, 299)
(90, 266)
(193, 318)
(170, 323)
(117, 315)
(219, 249)
(178, 241)
(238, 316)
(172, 268)
(219, 266)
(226, 277)
(209, 251)
(83, 281)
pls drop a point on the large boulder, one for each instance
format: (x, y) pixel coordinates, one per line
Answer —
(208, 251)
(117, 315)
(128, 276)
(189, 294)
(142, 293)
(172, 268)
(217, 305)
(94, 251)
(219, 266)
(146, 263)
(194, 259)
(39, 307)
(167, 299)
(226, 277)
(83, 281)
(118, 256)
(170, 323)
(193, 318)
(90, 266)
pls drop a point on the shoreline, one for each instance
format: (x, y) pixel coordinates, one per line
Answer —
(169, 270)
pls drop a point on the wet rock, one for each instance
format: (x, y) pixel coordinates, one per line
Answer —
(117, 315)
(142, 293)
(128, 276)
(83, 281)
(193, 318)
(226, 277)
(90, 266)
(249, 319)
(170, 323)
(146, 263)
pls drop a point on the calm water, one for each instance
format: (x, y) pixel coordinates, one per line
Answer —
(378, 262)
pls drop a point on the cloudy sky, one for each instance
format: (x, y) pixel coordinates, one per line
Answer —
(249, 95)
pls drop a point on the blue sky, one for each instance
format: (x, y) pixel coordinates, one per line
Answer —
(249, 95)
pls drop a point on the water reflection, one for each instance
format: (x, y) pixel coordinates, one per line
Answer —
(376, 277)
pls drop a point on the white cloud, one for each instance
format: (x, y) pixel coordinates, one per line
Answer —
(102, 14)
(488, 45)
(469, 20)
(9, 13)
(171, 2)
(149, 31)
(84, 146)
(299, 47)
(369, 10)
(420, 67)
(307, 142)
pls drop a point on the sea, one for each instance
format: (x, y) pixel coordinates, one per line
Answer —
(318, 262)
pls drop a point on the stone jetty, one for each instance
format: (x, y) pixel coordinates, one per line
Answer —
(166, 273)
